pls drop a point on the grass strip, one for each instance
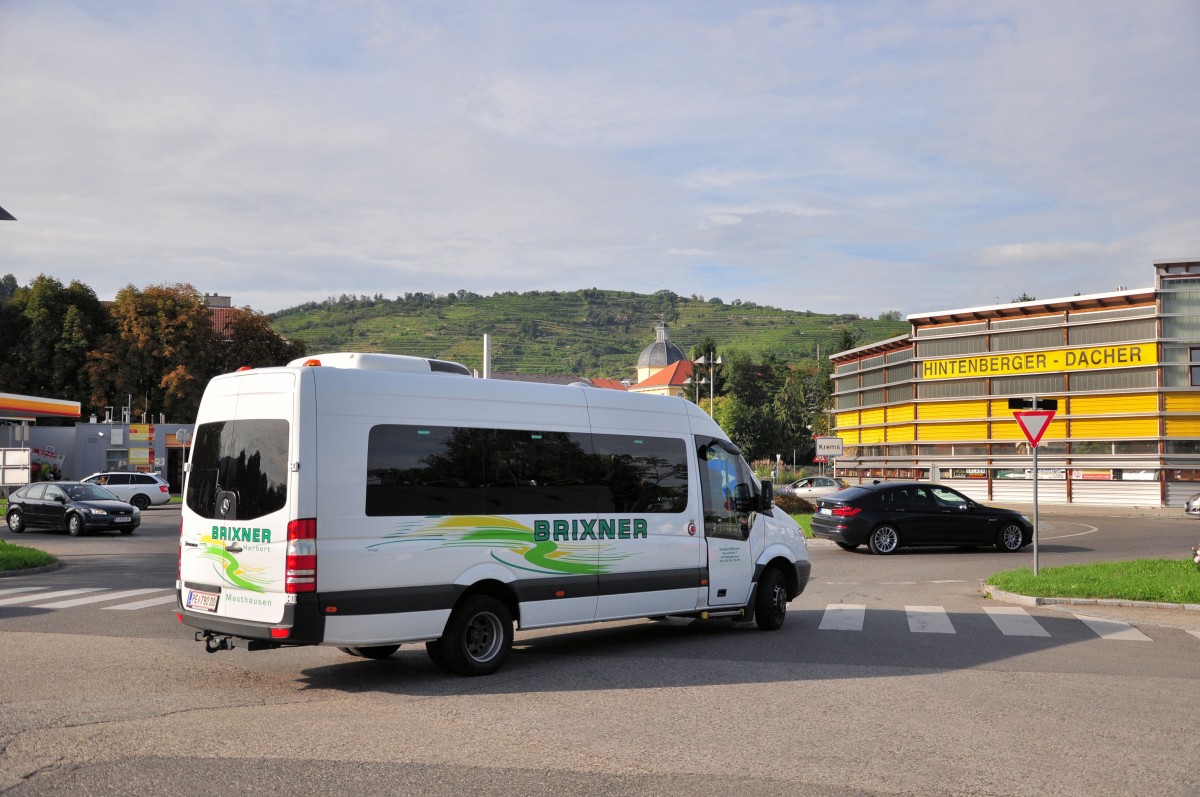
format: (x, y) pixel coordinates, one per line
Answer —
(1156, 580)
(18, 557)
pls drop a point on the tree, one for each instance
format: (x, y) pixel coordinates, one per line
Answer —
(1024, 297)
(845, 338)
(249, 340)
(49, 329)
(8, 287)
(161, 353)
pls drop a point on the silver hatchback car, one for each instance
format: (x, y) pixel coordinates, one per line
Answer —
(140, 489)
(1192, 507)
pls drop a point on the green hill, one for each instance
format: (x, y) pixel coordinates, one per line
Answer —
(593, 332)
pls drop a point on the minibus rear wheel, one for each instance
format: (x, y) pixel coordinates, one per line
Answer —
(478, 637)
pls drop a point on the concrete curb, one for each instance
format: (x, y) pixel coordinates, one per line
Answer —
(1026, 600)
(29, 571)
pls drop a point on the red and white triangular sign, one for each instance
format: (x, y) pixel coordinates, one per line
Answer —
(1034, 424)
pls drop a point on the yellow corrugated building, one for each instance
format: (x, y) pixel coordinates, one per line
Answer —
(1124, 368)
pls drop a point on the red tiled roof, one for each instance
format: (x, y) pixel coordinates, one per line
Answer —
(607, 384)
(674, 375)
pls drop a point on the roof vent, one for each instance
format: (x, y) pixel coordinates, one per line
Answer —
(395, 363)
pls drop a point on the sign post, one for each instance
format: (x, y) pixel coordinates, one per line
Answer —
(828, 448)
(1034, 423)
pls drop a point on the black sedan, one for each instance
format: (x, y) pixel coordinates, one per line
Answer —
(886, 516)
(74, 506)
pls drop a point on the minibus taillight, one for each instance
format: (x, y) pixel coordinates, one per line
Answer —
(846, 511)
(301, 573)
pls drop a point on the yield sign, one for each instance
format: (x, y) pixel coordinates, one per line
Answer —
(1034, 424)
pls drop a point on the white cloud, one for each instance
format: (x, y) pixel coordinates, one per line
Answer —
(843, 157)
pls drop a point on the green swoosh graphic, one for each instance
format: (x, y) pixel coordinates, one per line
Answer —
(220, 555)
(482, 532)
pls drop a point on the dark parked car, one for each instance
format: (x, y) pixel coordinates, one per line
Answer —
(887, 516)
(74, 506)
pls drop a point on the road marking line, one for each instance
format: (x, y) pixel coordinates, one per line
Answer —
(949, 581)
(107, 596)
(1113, 629)
(1195, 634)
(1091, 530)
(41, 595)
(146, 604)
(1015, 621)
(843, 617)
(928, 620)
(19, 589)
(897, 583)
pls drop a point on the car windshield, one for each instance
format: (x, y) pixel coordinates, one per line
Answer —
(89, 492)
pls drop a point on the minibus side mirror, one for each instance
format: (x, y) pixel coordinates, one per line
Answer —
(767, 499)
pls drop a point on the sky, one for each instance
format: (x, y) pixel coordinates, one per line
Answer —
(839, 157)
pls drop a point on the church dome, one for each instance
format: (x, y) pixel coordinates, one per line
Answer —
(662, 352)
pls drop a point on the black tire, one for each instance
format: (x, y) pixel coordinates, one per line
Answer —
(770, 600)
(140, 501)
(1010, 538)
(16, 523)
(372, 652)
(478, 636)
(437, 655)
(845, 546)
(884, 540)
(74, 525)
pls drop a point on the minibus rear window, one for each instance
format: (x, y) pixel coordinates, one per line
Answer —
(238, 469)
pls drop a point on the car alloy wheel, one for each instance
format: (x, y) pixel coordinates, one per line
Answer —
(1010, 538)
(884, 540)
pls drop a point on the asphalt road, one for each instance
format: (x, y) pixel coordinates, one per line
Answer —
(927, 695)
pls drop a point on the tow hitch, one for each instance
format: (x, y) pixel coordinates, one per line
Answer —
(214, 642)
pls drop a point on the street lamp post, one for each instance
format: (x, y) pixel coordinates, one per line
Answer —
(710, 363)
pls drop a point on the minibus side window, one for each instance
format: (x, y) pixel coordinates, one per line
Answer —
(425, 470)
(431, 470)
(644, 474)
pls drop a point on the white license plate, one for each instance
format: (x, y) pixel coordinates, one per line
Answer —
(122, 519)
(824, 511)
(202, 601)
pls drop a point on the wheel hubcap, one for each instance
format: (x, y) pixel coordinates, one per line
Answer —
(885, 540)
(780, 601)
(484, 637)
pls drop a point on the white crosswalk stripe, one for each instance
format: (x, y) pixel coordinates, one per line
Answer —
(1113, 629)
(62, 593)
(843, 617)
(41, 598)
(1015, 621)
(146, 604)
(928, 620)
(19, 589)
(107, 596)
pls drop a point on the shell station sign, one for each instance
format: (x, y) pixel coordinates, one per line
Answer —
(1084, 358)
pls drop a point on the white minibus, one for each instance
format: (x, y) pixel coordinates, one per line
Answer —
(367, 501)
